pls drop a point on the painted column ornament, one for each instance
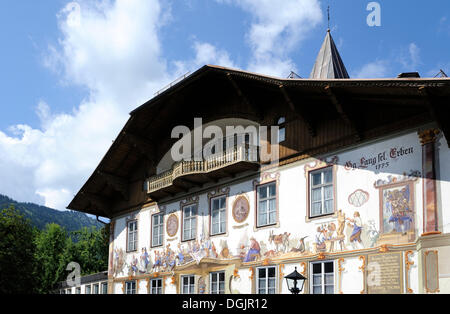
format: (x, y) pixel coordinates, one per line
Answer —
(340, 269)
(430, 214)
(363, 269)
(408, 265)
(111, 249)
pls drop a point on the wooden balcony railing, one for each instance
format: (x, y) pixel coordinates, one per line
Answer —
(237, 154)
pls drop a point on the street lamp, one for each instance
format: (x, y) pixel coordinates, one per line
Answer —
(295, 282)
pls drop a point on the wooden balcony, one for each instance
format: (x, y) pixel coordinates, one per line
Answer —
(188, 174)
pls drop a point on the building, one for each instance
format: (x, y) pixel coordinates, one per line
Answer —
(356, 196)
(91, 284)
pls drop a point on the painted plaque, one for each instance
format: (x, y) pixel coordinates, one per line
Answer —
(431, 271)
(397, 208)
(241, 209)
(172, 225)
(384, 274)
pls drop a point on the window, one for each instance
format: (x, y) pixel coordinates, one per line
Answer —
(63, 291)
(267, 205)
(130, 287)
(266, 280)
(156, 286)
(189, 222)
(69, 291)
(104, 288)
(78, 290)
(322, 278)
(321, 192)
(87, 289)
(218, 215)
(188, 284)
(217, 281)
(96, 289)
(157, 230)
(281, 130)
(132, 236)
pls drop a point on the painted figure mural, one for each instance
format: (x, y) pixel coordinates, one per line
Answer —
(254, 252)
(355, 237)
(396, 204)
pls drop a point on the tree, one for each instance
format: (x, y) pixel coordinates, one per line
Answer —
(52, 256)
(90, 249)
(17, 249)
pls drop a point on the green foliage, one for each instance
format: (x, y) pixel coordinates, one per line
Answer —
(16, 253)
(52, 256)
(34, 261)
(90, 249)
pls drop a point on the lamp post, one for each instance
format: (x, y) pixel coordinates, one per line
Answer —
(295, 282)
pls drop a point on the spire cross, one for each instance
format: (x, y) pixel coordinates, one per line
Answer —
(328, 17)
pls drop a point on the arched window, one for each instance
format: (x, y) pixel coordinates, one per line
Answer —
(282, 129)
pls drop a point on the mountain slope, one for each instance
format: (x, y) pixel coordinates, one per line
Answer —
(41, 215)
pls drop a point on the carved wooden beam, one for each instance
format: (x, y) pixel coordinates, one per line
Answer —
(143, 145)
(342, 113)
(298, 112)
(437, 116)
(98, 202)
(238, 90)
(117, 183)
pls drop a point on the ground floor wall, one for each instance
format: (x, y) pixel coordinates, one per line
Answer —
(414, 268)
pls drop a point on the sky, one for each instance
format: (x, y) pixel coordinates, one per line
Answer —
(72, 71)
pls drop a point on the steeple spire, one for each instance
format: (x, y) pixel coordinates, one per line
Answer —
(328, 18)
(329, 64)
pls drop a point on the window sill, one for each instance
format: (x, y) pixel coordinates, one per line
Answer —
(331, 215)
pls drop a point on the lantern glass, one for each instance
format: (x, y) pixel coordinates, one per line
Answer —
(295, 282)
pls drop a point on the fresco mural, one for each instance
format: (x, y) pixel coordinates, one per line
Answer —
(397, 206)
(345, 230)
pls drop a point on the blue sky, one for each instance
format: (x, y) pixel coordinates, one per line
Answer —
(72, 71)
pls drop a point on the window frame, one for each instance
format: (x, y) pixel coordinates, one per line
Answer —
(310, 187)
(266, 288)
(323, 285)
(104, 284)
(151, 287)
(86, 289)
(152, 227)
(225, 215)
(96, 286)
(257, 200)
(189, 284)
(183, 225)
(217, 274)
(133, 286)
(136, 237)
(78, 290)
(281, 123)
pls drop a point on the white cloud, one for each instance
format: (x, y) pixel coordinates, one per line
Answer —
(115, 52)
(409, 57)
(205, 53)
(376, 69)
(276, 29)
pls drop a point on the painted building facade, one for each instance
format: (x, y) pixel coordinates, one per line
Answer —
(368, 225)
(357, 202)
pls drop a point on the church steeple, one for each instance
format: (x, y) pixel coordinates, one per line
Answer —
(329, 64)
